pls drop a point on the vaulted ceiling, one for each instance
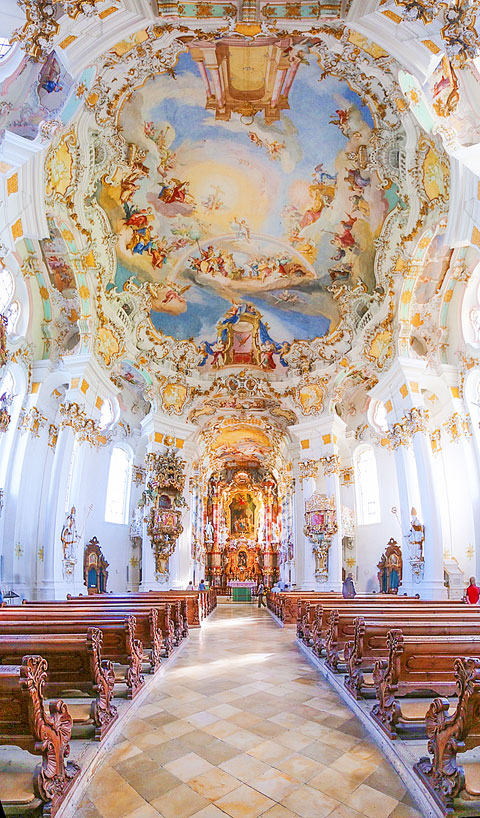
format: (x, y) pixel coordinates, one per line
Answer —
(245, 211)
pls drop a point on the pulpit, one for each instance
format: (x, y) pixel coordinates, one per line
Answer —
(95, 566)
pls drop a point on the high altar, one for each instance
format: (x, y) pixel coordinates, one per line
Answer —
(242, 528)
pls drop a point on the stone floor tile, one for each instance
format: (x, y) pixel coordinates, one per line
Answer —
(181, 802)
(144, 812)
(244, 767)
(151, 785)
(202, 718)
(300, 767)
(224, 711)
(371, 802)
(221, 728)
(293, 740)
(267, 729)
(168, 751)
(310, 803)
(119, 801)
(211, 811)
(334, 783)
(217, 751)
(188, 766)
(385, 779)
(214, 784)
(153, 738)
(275, 784)
(278, 812)
(350, 764)
(244, 719)
(345, 812)
(121, 752)
(243, 739)
(270, 752)
(86, 809)
(244, 802)
(177, 728)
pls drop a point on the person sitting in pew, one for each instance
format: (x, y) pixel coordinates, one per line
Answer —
(348, 588)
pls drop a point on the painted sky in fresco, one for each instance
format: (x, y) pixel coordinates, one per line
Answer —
(268, 215)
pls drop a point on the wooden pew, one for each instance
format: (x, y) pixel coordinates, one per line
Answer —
(450, 734)
(25, 722)
(197, 604)
(369, 642)
(286, 604)
(185, 607)
(120, 643)
(75, 662)
(341, 623)
(154, 625)
(324, 625)
(416, 666)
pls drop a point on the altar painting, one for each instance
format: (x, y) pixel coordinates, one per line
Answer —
(242, 516)
(214, 213)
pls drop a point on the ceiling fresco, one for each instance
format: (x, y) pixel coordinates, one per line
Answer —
(240, 225)
(244, 202)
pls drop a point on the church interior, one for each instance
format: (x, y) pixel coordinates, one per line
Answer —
(239, 408)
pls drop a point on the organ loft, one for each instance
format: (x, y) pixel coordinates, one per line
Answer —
(239, 409)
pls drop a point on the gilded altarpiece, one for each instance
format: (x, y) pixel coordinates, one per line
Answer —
(242, 510)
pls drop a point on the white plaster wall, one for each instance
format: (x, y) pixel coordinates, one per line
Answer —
(371, 540)
(113, 538)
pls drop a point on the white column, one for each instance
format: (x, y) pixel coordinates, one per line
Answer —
(409, 497)
(433, 585)
(55, 514)
(304, 559)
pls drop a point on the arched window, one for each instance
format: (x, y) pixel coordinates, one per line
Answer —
(366, 482)
(107, 415)
(377, 415)
(12, 314)
(9, 308)
(7, 286)
(118, 487)
(7, 385)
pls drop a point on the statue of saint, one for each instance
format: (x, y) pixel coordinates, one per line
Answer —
(222, 535)
(209, 531)
(69, 536)
(416, 536)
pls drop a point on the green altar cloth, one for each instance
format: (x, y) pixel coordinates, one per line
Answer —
(241, 595)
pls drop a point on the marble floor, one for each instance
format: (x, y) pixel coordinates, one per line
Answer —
(242, 726)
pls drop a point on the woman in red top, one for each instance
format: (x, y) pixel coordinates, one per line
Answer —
(473, 592)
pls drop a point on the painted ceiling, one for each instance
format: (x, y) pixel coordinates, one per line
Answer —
(235, 197)
(235, 217)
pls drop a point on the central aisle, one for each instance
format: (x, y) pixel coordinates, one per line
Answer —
(242, 726)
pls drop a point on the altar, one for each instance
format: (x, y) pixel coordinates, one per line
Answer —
(241, 590)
